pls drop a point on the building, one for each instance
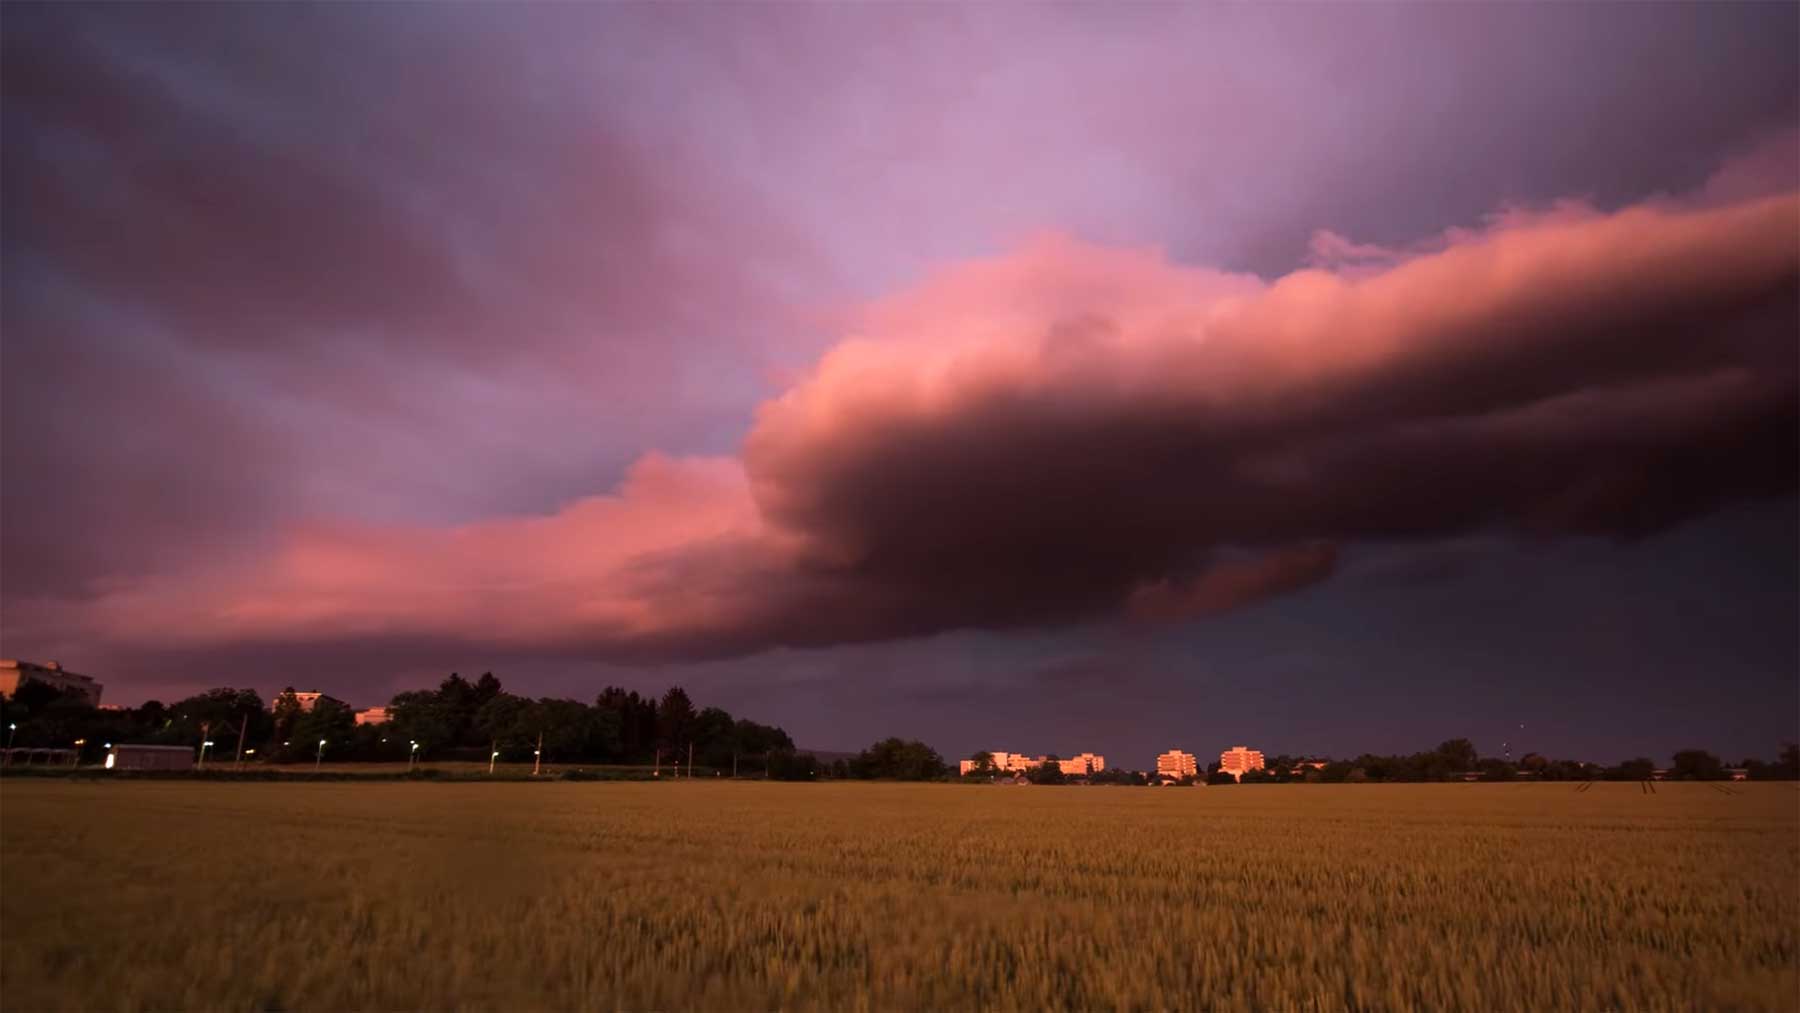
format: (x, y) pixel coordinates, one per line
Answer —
(1177, 764)
(1018, 763)
(14, 674)
(1300, 769)
(1080, 765)
(372, 716)
(130, 757)
(1239, 760)
(1004, 762)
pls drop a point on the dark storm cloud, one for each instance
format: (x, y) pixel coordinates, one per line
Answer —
(1040, 435)
(266, 263)
(1071, 433)
(334, 331)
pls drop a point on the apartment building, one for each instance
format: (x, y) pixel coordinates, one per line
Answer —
(1079, 765)
(14, 674)
(1177, 764)
(1239, 760)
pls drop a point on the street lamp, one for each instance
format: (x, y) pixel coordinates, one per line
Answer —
(12, 729)
(321, 757)
(204, 746)
(413, 756)
(495, 755)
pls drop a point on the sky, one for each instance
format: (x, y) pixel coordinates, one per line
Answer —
(1048, 378)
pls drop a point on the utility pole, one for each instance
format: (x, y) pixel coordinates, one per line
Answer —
(690, 772)
(243, 726)
(656, 769)
(537, 761)
(734, 764)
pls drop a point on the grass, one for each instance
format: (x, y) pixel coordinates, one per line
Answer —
(842, 896)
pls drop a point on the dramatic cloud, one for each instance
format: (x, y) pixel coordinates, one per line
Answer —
(1069, 433)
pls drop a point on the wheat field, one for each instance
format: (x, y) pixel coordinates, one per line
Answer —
(746, 896)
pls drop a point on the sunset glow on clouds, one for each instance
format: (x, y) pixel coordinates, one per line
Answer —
(1068, 433)
(828, 349)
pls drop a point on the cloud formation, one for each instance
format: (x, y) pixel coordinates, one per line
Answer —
(1069, 432)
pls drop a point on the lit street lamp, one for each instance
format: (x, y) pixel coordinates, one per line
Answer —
(204, 746)
(321, 757)
(12, 729)
(495, 755)
(413, 756)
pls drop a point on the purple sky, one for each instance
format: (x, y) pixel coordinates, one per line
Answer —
(1016, 377)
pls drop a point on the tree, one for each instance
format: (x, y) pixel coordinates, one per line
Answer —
(283, 713)
(486, 689)
(787, 766)
(1215, 775)
(1496, 770)
(1698, 765)
(219, 715)
(1048, 772)
(503, 718)
(636, 719)
(1639, 769)
(899, 760)
(419, 716)
(675, 720)
(1458, 754)
(565, 727)
(761, 740)
(715, 737)
(329, 719)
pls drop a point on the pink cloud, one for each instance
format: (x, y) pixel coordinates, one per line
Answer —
(1069, 432)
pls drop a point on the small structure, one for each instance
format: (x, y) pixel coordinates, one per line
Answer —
(1738, 773)
(27, 756)
(143, 757)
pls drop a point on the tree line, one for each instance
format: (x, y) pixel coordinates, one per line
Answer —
(461, 719)
(465, 719)
(1453, 760)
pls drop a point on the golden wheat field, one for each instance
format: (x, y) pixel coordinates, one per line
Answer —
(741, 896)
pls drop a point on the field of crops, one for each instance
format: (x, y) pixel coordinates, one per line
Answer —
(755, 896)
